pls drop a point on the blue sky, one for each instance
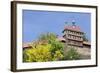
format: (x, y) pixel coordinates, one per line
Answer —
(38, 22)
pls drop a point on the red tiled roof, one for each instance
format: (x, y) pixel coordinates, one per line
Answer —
(72, 27)
(61, 39)
(26, 45)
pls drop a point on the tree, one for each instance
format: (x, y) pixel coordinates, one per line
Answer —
(47, 36)
(57, 56)
(40, 53)
(85, 38)
(72, 54)
(55, 45)
(46, 48)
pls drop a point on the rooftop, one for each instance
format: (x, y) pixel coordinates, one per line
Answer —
(86, 43)
(61, 39)
(73, 28)
(26, 45)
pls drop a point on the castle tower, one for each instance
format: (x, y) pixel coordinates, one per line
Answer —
(73, 35)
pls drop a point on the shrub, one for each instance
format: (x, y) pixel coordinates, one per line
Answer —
(56, 45)
(57, 56)
(51, 39)
(47, 36)
(72, 54)
(47, 48)
(40, 53)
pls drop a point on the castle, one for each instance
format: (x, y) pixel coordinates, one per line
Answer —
(73, 37)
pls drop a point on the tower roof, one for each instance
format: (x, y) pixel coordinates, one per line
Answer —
(73, 28)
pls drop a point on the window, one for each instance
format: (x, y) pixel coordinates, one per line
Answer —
(67, 31)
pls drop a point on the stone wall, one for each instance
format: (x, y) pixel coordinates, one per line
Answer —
(83, 51)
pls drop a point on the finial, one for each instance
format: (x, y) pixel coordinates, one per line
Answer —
(66, 22)
(73, 22)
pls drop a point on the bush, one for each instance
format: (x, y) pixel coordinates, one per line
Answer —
(47, 48)
(72, 54)
(57, 56)
(41, 53)
(55, 45)
(48, 36)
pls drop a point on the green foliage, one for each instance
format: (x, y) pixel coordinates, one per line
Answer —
(85, 38)
(57, 56)
(56, 45)
(72, 54)
(51, 38)
(40, 53)
(47, 48)
(47, 36)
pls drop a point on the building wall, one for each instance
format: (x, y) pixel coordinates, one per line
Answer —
(74, 40)
(73, 37)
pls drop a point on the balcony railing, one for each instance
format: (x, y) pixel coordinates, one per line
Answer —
(77, 39)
